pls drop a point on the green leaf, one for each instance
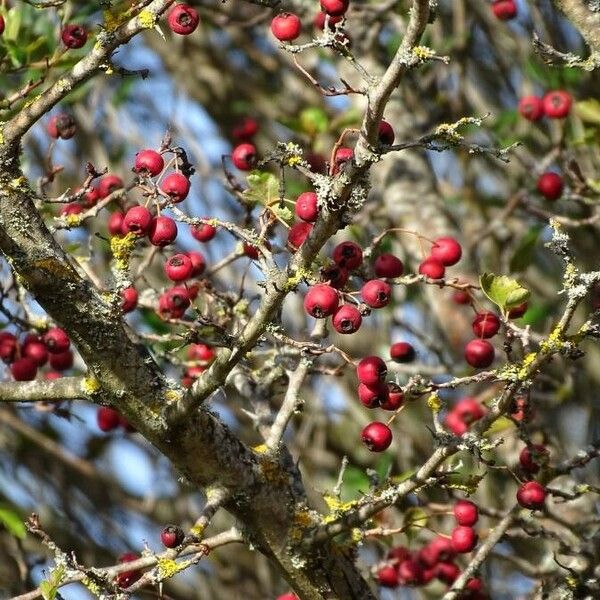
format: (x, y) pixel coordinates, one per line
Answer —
(414, 520)
(313, 120)
(263, 188)
(383, 465)
(523, 255)
(588, 110)
(49, 587)
(502, 290)
(151, 319)
(283, 212)
(356, 483)
(12, 521)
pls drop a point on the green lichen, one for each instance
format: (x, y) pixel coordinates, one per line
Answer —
(121, 248)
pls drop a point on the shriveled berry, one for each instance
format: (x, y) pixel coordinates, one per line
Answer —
(74, 36)
(61, 126)
(172, 536)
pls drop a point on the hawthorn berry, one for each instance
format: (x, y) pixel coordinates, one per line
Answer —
(35, 349)
(108, 184)
(532, 495)
(191, 374)
(90, 198)
(342, 155)
(74, 36)
(433, 268)
(56, 340)
(245, 130)
(466, 513)
(335, 275)
(319, 20)
(461, 297)
(447, 572)
(2, 24)
(372, 396)
(410, 572)
(288, 596)
(463, 538)
(347, 319)
(557, 104)
(550, 185)
(129, 299)
(306, 207)
(172, 536)
(61, 126)
(469, 410)
(376, 293)
(162, 231)
(61, 361)
(388, 265)
(298, 233)
(198, 262)
(321, 301)
(402, 352)
(533, 457)
(176, 186)
(504, 9)
(447, 250)
(479, 353)
(73, 208)
(521, 410)
(371, 370)
(376, 436)
(335, 8)
(128, 578)
(24, 369)
(137, 220)
(107, 419)
(395, 398)
(286, 27)
(149, 161)
(203, 232)
(388, 577)
(440, 549)
(8, 346)
(531, 108)
(518, 311)
(115, 223)
(348, 255)
(250, 250)
(486, 324)
(243, 156)
(183, 19)
(386, 133)
(179, 267)
(200, 352)
(174, 302)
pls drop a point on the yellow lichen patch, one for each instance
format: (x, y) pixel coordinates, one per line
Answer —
(336, 507)
(167, 567)
(93, 587)
(172, 395)
(55, 267)
(272, 472)
(73, 220)
(121, 248)
(197, 530)
(294, 160)
(525, 364)
(357, 535)
(423, 52)
(147, 19)
(260, 449)
(17, 182)
(90, 385)
(434, 403)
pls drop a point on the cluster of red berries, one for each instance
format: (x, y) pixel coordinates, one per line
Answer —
(32, 352)
(463, 414)
(199, 357)
(479, 353)
(106, 186)
(554, 105)
(445, 252)
(532, 458)
(504, 9)
(435, 560)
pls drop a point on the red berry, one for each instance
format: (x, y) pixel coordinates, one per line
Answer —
(149, 161)
(518, 311)
(90, 198)
(24, 369)
(447, 572)
(61, 361)
(203, 232)
(74, 36)
(504, 9)
(461, 297)
(174, 302)
(245, 129)
(336, 276)
(288, 596)
(335, 7)
(376, 293)
(486, 324)
(176, 186)
(347, 319)
(388, 265)
(244, 156)
(162, 232)
(550, 185)
(307, 207)
(373, 396)
(200, 352)
(286, 27)
(137, 219)
(348, 255)
(464, 539)
(376, 436)
(410, 572)
(466, 513)
(179, 267)
(191, 374)
(402, 352)
(371, 370)
(35, 349)
(129, 297)
(319, 20)
(2, 24)
(61, 126)
(395, 398)
(479, 353)
(531, 107)
(447, 250)
(172, 536)
(438, 550)
(557, 104)
(342, 156)
(52, 375)
(386, 133)
(127, 578)
(297, 234)
(321, 301)
(107, 418)
(532, 457)
(73, 208)
(115, 223)
(198, 262)
(8, 346)
(183, 19)
(56, 340)
(432, 268)
(469, 410)
(108, 184)
(531, 495)
(250, 251)
(388, 577)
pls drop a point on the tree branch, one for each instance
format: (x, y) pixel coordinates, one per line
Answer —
(65, 388)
